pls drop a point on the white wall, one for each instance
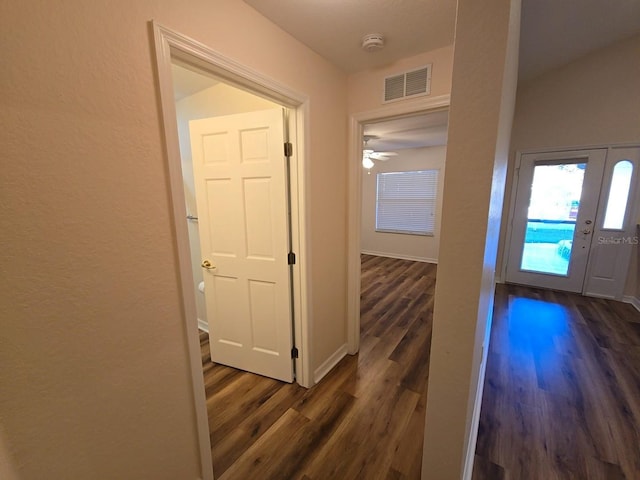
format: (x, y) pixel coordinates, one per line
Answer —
(218, 100)
(411, 247)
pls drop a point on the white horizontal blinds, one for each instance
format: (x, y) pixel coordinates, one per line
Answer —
(406, 202)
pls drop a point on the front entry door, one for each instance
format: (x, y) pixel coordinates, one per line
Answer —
(553, 222)
(241, 194)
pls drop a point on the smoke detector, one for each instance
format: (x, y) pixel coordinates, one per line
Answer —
(372, 42)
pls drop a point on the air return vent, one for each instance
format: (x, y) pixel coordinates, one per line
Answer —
(408, 84)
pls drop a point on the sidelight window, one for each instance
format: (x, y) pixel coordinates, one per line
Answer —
(618, 195)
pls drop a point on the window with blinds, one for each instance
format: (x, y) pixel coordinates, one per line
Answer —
(406, 202)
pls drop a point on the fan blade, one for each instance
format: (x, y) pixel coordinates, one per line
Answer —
(382, 155)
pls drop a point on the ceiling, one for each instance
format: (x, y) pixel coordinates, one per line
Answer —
(553, 32)
(187, 82)
(334, 28)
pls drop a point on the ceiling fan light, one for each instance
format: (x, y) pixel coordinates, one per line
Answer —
(367, 163)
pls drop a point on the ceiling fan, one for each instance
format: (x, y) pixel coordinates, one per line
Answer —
(369, 155)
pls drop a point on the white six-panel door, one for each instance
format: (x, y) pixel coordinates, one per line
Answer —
(241, 195)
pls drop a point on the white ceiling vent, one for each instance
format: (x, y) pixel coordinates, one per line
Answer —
(408, 84)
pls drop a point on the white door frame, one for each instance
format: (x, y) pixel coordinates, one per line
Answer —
(356, 125)
(173, 45)
(514, 182)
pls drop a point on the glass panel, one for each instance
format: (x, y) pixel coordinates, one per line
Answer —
(551, 219)
(618, 195)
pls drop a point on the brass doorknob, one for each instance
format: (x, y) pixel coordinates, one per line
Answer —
(208, 265)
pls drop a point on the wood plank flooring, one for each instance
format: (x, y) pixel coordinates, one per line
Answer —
(365, 419)
(562, 389)
(561, 398)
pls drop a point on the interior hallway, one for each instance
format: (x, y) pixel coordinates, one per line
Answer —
(364, 420)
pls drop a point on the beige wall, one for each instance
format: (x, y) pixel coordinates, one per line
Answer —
(591, 101)
(93, 361)
(594, 100)
(220, 99)
(480, 118)
(366, 88)
(413, 247)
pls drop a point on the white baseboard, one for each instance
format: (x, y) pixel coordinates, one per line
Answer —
(202, 325)
(400, 256)
(329, 363)
(635, 301)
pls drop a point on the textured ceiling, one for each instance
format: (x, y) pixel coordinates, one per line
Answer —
(334, 28)
(553, 33)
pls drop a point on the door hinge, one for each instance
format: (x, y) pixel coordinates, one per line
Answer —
(294, 352)
(291, 258)
(288, 149)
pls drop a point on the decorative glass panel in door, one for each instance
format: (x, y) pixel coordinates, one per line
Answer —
(551, 218)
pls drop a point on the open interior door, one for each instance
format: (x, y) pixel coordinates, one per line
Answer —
(241, 195)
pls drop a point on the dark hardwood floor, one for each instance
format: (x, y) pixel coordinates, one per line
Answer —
(561, 398)
(562, 389)
(364, 420)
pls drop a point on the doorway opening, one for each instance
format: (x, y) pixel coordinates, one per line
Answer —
(573, 220)
(403, 169)
(173, 49)
(237, 199)
(378, 123)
